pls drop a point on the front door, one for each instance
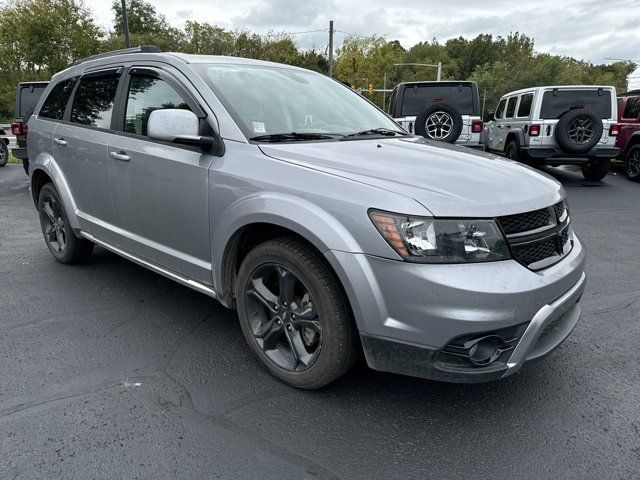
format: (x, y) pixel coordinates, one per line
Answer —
(160, 189)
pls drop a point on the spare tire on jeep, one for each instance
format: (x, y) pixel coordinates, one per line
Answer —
(578, 131)
(440, 121)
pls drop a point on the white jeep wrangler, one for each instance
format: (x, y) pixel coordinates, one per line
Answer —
(557, 125)
(447, 111)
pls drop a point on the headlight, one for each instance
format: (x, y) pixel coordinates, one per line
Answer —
(430, 240)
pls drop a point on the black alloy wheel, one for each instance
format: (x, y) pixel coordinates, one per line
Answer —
(53, 224)
(283, 317)
(632, 164)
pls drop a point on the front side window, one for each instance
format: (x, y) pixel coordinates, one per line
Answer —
(524, 109)
(266, 100)
(511, 107)
(56, 102)
(500, 109)
(94, 99)
(146, 94)
(632, 109)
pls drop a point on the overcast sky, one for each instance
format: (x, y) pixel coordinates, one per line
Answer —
(592, 30)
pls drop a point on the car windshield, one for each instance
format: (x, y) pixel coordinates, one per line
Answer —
(556, 102)
(268, 101)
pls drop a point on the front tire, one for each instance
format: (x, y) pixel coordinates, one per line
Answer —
(58, 234)
(596, 170)
(632, 163)
(294, 315)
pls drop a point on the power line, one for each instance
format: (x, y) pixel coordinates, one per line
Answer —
(350, 33)
(295, 33)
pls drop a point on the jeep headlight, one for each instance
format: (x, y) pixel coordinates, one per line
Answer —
(432, 240)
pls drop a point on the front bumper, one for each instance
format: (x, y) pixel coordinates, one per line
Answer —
(412, 317)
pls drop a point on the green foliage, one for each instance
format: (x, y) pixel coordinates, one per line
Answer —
(40, 37)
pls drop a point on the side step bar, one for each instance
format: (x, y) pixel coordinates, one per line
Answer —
(187, 282)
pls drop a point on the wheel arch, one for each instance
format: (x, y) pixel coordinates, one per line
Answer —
(633, 140)
(45, 170)
(265, 216)
(515, 134)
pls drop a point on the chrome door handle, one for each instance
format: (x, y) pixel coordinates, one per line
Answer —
(120, 156)
(60, 141)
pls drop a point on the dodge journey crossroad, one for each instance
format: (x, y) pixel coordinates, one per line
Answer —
(284, 194)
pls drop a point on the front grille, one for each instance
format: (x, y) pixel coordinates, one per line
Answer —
(539, 238)
(524, 222)
(536, 252)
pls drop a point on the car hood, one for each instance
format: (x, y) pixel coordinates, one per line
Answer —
(448, 180)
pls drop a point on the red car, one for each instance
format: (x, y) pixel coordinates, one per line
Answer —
(629, 137)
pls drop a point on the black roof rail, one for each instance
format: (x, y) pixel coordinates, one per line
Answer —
(630, 92)
(124, 51)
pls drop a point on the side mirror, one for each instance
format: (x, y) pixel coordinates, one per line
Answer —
(491, 115)
(177, 126)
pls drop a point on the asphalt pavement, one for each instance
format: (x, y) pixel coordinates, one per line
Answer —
(110, 371)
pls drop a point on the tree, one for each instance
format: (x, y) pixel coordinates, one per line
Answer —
(40, 37)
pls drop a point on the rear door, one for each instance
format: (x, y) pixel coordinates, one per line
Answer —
(160, 189)
(80, 146)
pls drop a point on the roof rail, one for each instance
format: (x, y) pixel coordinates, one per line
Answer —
(124, 51)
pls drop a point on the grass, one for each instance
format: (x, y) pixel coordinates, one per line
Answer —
(13, 159)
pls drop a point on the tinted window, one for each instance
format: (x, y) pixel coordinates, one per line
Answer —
(500, 109)
(392, 103)
(524, 109)
(511, 107)
(632, 109)
(56, 103)
(146, 94)
(417, 99)
(557, 102)
(93, 101)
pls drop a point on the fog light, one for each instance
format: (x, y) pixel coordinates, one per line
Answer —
(486, 350)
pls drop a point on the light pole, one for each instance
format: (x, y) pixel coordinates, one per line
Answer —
(125, 25)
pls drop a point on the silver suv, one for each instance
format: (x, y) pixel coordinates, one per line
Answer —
(288, 196)
(557, 125)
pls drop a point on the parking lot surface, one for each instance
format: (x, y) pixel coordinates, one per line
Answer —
(110, 371)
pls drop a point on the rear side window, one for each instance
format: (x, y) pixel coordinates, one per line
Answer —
(416, 99)
(524, 109)
(632, 109)
(392, 103)
(511, 107)
(94, 99)
(500, 109)
(56, 102)
(556, 102)
(146, 94)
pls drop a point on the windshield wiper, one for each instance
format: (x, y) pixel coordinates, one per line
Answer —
(387, 132)
(294, 136)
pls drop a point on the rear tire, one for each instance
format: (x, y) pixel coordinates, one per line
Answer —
(596, 170)
(4, 153)
(512, 151)
(278, 282)
(58, 234)
(632, 163)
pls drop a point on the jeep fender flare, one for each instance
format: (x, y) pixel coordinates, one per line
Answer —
(516, 134)
(634, 139)
(319, 227)
(45, 163)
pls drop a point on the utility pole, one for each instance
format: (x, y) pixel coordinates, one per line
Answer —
(125, 25)
(439, 71)
(330, 48)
